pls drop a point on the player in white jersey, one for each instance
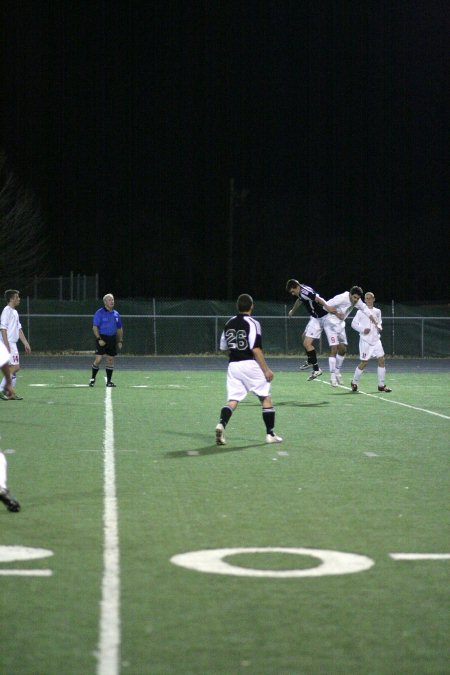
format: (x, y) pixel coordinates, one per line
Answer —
(369, 343)
(334, 327)
(5, 496)
(10, 333)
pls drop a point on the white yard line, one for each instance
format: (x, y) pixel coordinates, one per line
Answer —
(109, 640)
(390, 400)
(420, 556)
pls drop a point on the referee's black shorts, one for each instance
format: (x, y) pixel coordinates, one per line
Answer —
(110, 346)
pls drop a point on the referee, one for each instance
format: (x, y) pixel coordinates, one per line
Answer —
(108, 331)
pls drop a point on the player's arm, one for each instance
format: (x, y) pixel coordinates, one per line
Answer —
(296, 305)
(261, 361)
(358, 325)
(5, 339)
(379, 322)
(329, 308)
(95, 330)
(24, 341)
(223, 344)
(120, 337)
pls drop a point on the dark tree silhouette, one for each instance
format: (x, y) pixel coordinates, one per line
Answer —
(23, 245)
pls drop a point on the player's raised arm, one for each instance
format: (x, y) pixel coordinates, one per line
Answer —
(330, 309)
(295, 306)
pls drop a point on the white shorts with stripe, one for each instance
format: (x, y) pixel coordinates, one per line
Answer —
(368, 351)
(335, 333)
(243, 377)
(314, 328)
(14, 358)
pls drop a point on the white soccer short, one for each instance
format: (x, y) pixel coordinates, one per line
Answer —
(314, 328)
(14, 358)
(335, 333)
(245, 376)
(368, 351)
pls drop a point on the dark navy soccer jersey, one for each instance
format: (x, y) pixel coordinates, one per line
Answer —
(307, 296)
(241, 334)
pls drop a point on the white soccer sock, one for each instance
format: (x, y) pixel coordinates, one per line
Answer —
(357, 374)
(339, 361)
(332, 363)
(381, 372)
(3, 466)
(2, 384)
(13, 381)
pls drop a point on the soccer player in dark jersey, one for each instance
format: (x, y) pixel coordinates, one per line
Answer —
(108, 331)
(247, 368)
(317, 308)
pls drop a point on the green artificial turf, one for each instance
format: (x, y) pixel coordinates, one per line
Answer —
(355, 473)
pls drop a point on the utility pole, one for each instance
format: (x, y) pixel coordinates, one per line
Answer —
(231, 197)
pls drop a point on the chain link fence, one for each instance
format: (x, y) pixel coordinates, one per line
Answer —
(159, 328)
(73, 287)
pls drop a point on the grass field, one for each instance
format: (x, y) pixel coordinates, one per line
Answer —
(356, 473)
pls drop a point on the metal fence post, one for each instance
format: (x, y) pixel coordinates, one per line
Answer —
(28, 318)
(422, 350)
(285, 329)
(393, 328)
(154, 326)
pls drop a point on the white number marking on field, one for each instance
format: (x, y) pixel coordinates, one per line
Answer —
(332, 562)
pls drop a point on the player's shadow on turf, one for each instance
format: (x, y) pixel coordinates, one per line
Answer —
(297, 404)
(214, 450)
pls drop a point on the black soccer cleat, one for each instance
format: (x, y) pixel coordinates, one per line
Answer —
(384, 388)
(91, 382)
(354, 386)
(305, 366)
(9, 501)
(110, 384)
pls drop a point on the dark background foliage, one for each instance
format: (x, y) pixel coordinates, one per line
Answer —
(128, 120)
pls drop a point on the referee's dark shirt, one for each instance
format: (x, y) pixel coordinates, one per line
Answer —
(307, 296)
(241, 334)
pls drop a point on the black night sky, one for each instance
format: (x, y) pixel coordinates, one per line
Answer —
(129, 119)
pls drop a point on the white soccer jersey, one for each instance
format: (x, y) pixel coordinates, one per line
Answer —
(10, 322)
(361, 322)
(344, 306)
